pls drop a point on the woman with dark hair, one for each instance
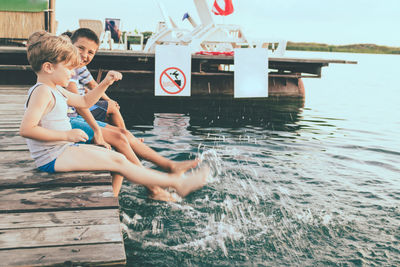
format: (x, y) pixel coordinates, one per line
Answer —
(113, 28)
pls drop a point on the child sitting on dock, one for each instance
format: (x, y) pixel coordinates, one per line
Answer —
(104, 134)
(106, 109)
(48, 132)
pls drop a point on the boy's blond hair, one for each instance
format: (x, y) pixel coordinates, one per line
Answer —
(45, 47)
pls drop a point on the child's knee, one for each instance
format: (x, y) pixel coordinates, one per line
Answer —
(112, 107)
(118, 158)
(125, 132)
(121, 137)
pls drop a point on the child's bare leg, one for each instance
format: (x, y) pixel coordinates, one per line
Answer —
(121, 144)
(193, 181)
(117, 180)
(74, 158)
(147, 153)
(115, 117)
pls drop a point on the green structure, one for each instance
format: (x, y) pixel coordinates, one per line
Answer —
(24, 5)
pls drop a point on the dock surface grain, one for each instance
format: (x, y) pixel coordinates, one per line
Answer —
(62, 219)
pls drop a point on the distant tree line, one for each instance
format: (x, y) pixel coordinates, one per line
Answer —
(353, 48)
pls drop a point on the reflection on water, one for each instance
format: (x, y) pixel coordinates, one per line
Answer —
(292, 185)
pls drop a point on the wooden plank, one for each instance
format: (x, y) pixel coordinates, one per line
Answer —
(11, 118)
(15, 67)
(19, 170)
(20, 93)
(58, 218)
(12, 98)
(11, 139)
(59, 236)
(16, 157)
(89, 255)
(30, 177)
(13, 147)
(12, 107)
(61, 198)
(9, 124)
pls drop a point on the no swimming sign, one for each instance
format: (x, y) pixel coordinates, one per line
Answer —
(172, 70)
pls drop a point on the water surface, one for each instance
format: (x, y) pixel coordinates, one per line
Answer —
(294, 183)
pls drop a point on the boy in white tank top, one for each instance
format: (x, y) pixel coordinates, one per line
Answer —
(45, 122)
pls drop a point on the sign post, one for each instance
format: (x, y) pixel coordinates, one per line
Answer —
(172, 71)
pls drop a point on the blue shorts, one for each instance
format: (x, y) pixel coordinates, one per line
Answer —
(99, 110)
(49, 167)
(80, 123)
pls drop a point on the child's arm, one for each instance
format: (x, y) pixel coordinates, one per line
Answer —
(87, 115)
(92, 84)
(98, 135)
(40, 102)
(94, 95)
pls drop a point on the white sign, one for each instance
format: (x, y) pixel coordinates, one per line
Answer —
(251, 72)
(173, 70)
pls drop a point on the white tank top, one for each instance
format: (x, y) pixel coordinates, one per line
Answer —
(44, 152)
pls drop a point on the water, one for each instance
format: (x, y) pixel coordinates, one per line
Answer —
(294, 184)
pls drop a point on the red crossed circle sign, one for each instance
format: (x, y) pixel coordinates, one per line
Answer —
(172, 80)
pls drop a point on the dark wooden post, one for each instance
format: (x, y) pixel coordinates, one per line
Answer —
(52, 16)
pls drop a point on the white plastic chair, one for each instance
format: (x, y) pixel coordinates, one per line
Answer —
(98, 28)
(207, 35)
(167, 32)
(211, 36)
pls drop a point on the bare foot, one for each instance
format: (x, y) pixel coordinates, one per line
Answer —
(163, 196)
(193, 181)
(179, 167)
(157, 193)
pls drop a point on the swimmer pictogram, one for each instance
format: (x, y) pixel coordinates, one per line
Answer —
(172, 80)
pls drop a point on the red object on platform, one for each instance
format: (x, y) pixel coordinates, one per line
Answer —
(215, 53)
(222, 7)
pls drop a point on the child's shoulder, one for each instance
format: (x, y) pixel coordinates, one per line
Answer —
(38, 94)
(40, 90)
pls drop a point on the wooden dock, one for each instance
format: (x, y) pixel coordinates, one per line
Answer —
(69, 219)
(211, 75)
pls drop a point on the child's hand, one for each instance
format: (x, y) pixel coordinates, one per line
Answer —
(112, 76)
(76, 135)
(99, 140)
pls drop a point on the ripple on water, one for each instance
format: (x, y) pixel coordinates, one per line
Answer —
(291, 187)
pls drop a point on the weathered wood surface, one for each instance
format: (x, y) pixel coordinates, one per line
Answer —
(63, 219)
(57, 198)
(57, 219)
(77, 255)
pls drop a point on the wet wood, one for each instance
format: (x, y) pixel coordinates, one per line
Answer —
(57, 219)
(61, 219)
(78, 255)
(57, 198)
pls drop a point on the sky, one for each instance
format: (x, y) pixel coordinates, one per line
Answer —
(331, 22)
